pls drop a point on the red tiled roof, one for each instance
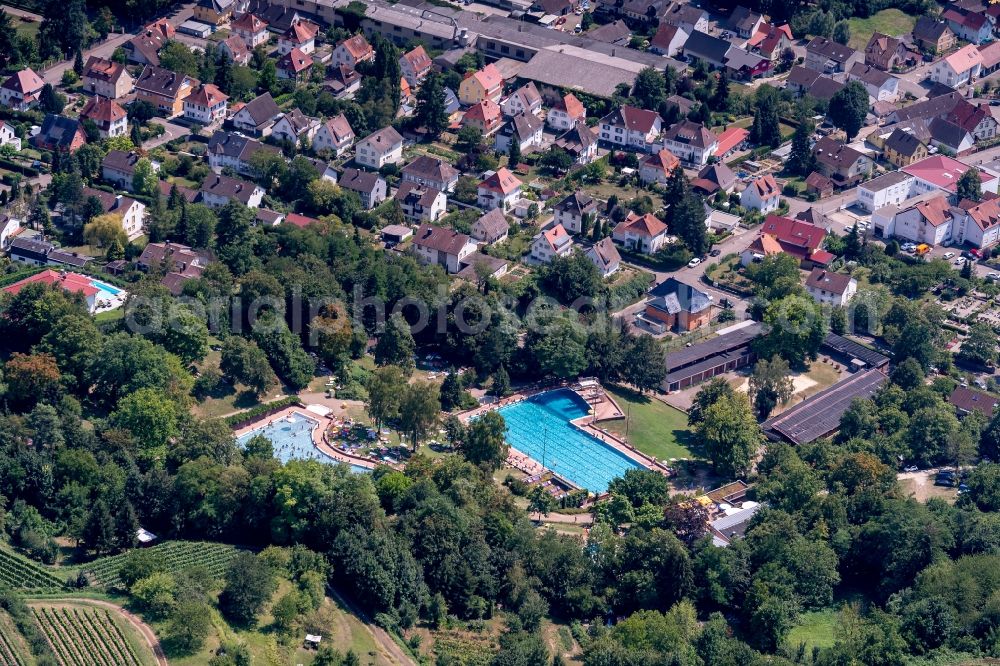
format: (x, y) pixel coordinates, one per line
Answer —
(729, 139)
(103, 110)
(71, 282)
(502, 181)
(646, 225)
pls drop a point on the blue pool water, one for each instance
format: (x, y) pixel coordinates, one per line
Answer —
(114, 291)
(292, 440)
(540, 427)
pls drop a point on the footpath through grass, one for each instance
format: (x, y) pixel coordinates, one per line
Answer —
(655, 428)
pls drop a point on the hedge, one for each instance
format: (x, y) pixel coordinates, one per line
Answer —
(254, 413)
(11, 278)
(27, 171)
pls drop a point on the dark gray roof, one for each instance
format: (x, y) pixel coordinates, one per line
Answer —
(673, 296)
(577, 203)
(31, 247)
(612, 33)
(852, 349)
(903, 143)
(819, 415)
(729, 342)
(358, 180)
(830, 49)
(702, 45)
(262, 108)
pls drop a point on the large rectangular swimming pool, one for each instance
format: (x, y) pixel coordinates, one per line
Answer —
(540, 427)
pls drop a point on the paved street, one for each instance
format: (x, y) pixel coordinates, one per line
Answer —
(172, 131)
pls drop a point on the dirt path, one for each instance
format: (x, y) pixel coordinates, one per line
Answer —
(144, 630)
(382, 638)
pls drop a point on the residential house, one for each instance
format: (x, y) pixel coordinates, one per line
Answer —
(976, 119)
(352, 51)
(21, 90)
(525, 99)
(164, 89)
(691, 142)
(110, 118)
(800, 79)
(431, 172)
(144, 48)
(551, 243)
(323, 168)
(118, 168)
(928, 221)
(525, 129)
(501, 189)
(415, 65)
(975, 27)
(744, 65)
(828, 57)
(604, 254)
(218, 190)
(301, 35)
(420, 203)
(844, 165)
(745, 22)
(132, 212)
(731, 140)
(715, 178)
(380, 148)
(641, 233)
(206, 105)
(342, 81)
(442, 247)
(687, 16)
(491, 227)
(566, 113)
(9, 228)
(334, 134)
(251, 30)
(580, 142)
(257, 116)
(677, 306)
(668, 40)
(828, 288)
(658, 167)
(234, 151)
(294, 65)
(990, 54)
(885, 52)
(571, 211)
(484, 115)
(294, 127)
(180, 261)
(933, 36)
(890, 189)
(214, 12)
(236, 50)
(711, 50)
(978, 223)
(761, 194)
(554, 7)
(802, 240)
(30, 251)
(106, 78)
(902, 148)
(484, 84)
(8, 137)
(881, 86)
(968, 400)
(629, 127)
(59, 133)
(959, 68)
(939, 172)
(819, 185)
(770, 40)
(370, 187)
(617, 32)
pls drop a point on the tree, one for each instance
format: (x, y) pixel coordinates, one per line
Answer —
(485, 442)
(501, 382)
(451, 391)
(244, 362)
(395, 345)
(730, 434)
(970, 185)
(766, 130)
(177, 57)
(150, 416)
(707, 396)
(849, 108)
(556, 160)
(189, 626)
(144, 179)
(801, 161)
(687, 220)
(105, 230)
(720, 98)
(32, 378)
(236, 236)
(770, 384)
(645, 363)
(155, 594)
(51, 101)
(514, 153)
(250, 582)
(8, 40)
(980, 347)
(842, 32)
(418, 411)
(559, 350)
(99, 532)
(267, 80)
(649, 89)
(795, 330)
(78, 63)
(431, 112)
(385, 390)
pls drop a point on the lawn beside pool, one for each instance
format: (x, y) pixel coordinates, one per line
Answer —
(892, 22)
(655, 428)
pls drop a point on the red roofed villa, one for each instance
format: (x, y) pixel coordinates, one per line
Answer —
(644, 233)
(802, 240)
(99, 296)
(500, 190)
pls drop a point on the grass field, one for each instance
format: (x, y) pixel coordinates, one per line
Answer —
(892, 22)
(27, 28)
(815, 628)
(654, 428)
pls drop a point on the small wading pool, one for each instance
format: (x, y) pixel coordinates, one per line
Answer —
(292, 438)
(540, 427)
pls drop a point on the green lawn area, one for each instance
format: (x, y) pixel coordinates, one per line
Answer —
(27, 28)
(892, 22)
(655, 428)
(815, 628)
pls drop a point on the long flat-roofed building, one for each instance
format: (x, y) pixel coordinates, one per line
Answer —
(729, 351)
